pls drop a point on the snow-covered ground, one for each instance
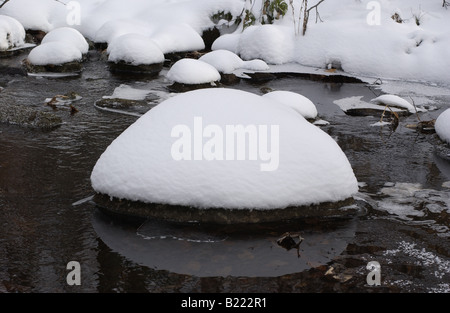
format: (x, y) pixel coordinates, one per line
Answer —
(361, 37)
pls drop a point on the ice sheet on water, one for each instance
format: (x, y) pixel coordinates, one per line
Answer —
(414, 204)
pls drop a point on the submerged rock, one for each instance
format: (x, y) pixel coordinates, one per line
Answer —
(28, 117)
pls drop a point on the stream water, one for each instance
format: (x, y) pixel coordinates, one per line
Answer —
(404, 204)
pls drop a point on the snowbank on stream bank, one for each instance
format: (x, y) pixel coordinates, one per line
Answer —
(361, 37)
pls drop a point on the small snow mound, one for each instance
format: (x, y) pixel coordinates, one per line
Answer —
(134, 49)
(68, 35)
(255, 65)
(296, 101)
(395, 101)
(223, 60)
(193, 72)
(176, 154)
(442, 126)
(12, 33)
(226, 62)
(54, 53)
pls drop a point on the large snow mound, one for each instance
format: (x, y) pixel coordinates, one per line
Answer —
(182, 153)
(442, 126)
(12, 33)
(226, 62)
(70, 36)
(54, 53)
(296, 101)
(193, 72)
(134, 49)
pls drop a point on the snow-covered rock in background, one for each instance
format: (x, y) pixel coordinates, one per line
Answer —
(177, 38)
(12, 33)
(193, 72)
(442, 126)
(117, 28)
(271, 43)
(134, 49)
(226, 62)
(228, 42)
(296, 101)
(54, 53)
(68, 35)
(397, 102)
(141, 164)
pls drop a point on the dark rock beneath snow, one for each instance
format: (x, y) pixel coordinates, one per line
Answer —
(337, 210)
(375, 112)
(142, 69)
(178, 87)
(69, 67)
(229, 79)
(119, 103)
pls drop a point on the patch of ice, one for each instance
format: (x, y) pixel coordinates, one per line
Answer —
(321, 123)
(352, 103)
(128, 93)
(380, 124)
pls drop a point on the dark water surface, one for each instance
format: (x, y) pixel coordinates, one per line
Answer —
(404, 203)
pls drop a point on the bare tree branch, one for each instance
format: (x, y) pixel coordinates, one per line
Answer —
(4, 2)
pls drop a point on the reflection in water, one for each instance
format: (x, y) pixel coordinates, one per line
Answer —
(245, 250)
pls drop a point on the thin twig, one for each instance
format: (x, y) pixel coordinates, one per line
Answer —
(4, 2)
(415, 108)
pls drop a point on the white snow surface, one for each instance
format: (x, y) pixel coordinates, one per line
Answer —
(70, 36)
(54, 52)
(192, 72)
(139, 164)
(134, 49)
(12, 33)
(442, 126)
(395, 101)
(296, 101)
(347, 33)
(226, 62)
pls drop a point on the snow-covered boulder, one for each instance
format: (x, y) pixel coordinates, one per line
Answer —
(397, 102)
(224, 149)
(442, 126)
(177, 38)
(135, 53)
(226, 62)
(296, 101)
(55, 56)
(193, 74)
(67, 35)
(12, 33)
